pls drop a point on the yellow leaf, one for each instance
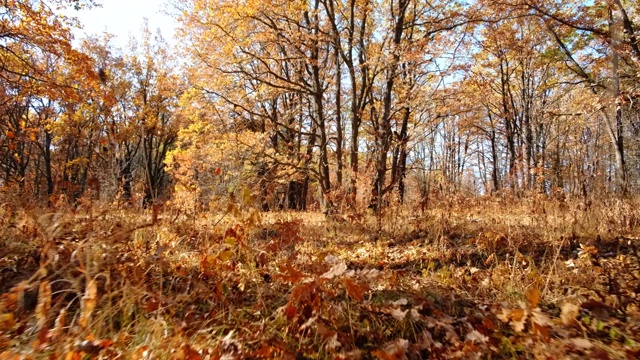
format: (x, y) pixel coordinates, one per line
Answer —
(7, 321)
(230, 240)
(246, 197)
(225, 255)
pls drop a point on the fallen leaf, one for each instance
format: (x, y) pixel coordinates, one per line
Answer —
(290, 274)
(533, 296)
(582, 343)
(59, 324)
(186, 352)
(356, 291)
(88, 303)
(398, 313)
(7, 321)
(400, 302)
(333, 343)
(337, 270)
(44, 303)
(569, 313)
(518, 318)
(225, 255)
(477, 337)
(392, 351)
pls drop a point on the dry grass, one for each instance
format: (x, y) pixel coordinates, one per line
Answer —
(493, 277)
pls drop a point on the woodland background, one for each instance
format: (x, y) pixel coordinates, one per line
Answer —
(324, 103)
(341, 178)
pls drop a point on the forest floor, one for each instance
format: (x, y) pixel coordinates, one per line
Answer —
(468, 278)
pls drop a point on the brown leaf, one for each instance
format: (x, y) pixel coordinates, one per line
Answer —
(73, 355)
(490, 259)
(8, 355)
(336, 270)
(290, 274)
(155, 212)
(290, 311)
(356, 291)
(598, 309)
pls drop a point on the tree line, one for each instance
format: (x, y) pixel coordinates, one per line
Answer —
(330, 103)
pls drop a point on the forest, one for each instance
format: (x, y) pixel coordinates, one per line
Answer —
(322, 179)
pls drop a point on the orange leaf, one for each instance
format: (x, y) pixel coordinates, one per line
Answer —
(73, 355)
(533, 295)
(7, 355)
(383, 355)
(394, 350)
(518, 318)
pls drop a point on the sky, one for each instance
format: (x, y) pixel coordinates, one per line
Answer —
(124, 18)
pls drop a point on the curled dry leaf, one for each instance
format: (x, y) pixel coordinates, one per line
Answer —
(477, 337)
(582, 343)
(398, 313)
(515, 317)
(88, 302)
(333, 344)
(400, 302)
(393, 350)
(59, 324)
(337, 270)
(44, 303)
(569, 313)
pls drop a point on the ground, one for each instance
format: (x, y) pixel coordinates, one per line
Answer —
(467, 278)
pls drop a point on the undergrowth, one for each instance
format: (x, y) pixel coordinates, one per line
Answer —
(481, 277)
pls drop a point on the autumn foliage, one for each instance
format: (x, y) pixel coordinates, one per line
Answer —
(339, 179)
